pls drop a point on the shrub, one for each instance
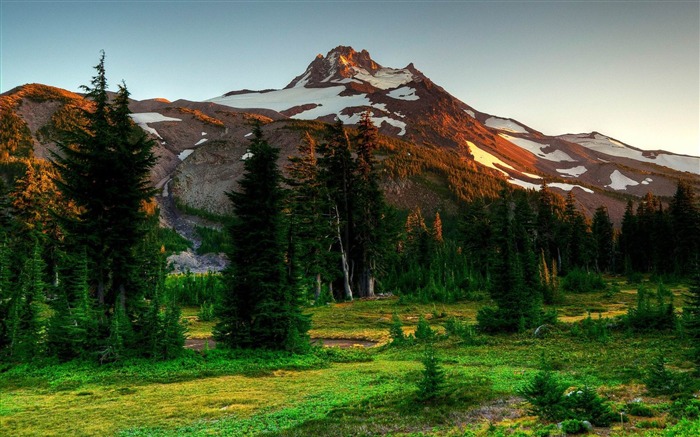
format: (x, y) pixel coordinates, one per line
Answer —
(423, 331)
(463, 330)
(585, 404)
(591, 329)
(639, 409)
(433, 377)
(573, 426)
(661, 381)
(206, 312)
(648, 315)
(396, 331)
(545, 395)
(686, 409)
(579, 281)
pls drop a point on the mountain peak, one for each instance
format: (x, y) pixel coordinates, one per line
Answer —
(343, 62)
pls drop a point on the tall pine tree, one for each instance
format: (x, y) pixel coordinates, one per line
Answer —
(260, 309)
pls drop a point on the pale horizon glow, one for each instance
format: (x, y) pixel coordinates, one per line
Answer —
(629, 70)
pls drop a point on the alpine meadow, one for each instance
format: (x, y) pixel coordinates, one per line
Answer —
(359, 253)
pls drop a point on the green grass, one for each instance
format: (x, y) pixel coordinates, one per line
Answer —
(172, 241)
(346, 392)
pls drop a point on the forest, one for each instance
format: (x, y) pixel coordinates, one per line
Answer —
(516, 315)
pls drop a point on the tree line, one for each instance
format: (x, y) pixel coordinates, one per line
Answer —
(82, 268)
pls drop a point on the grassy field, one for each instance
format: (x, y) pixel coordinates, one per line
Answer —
(352, 391)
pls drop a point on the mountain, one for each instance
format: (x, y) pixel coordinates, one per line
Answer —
(406, 104)
(436, 149)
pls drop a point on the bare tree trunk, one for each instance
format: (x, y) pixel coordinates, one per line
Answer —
(318, 287)
(343, 258)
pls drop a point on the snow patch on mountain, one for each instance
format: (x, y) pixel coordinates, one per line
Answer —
(143, 118)
(530, 175)
(377, 121)
(536, 149)
(470, 112)
(609, 146)
(505, 125)
(618, 181)
(485, 158)
(202, 141)
(384, 78)
(403, 93)
(574, 171)
(184, 154)
(536, 187)
(328, 101)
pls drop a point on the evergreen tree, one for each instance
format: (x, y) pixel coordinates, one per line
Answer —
(338, 174)
(628, 238)
(259, 309)
(685, 216)
(369, 209)
(518, 302)
(603, 234)
(103, 167)
(433, 376)
(310, 229)
(691, 314)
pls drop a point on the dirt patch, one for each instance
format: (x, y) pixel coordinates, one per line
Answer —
(343, 343)
(200, 344)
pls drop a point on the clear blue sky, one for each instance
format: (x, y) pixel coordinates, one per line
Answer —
(627, 69)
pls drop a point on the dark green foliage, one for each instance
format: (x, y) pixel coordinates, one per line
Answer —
(545, 394)
(580, 281)
(206, 312)
(659, 380)
(652, 315)
(639, 409)
(396, 333)
(585, 404)
(172, 242)
(685, 217)
(518, 297)
(691, 315)
(213, 240)
(195, 289)
(592, 329)
(604, 240)
(260, 307)
(311, 231)
(433, 376)
(573, 426)
(462, 330)
(424, 333)
(104, 165)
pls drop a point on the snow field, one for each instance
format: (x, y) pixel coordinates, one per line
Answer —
(536, 149)
(505, 125)
(618, 181)
(609, 146)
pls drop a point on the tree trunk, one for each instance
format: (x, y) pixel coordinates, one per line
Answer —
(317, 295)
(343, 258)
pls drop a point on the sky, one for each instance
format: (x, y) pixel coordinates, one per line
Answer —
(627, 69)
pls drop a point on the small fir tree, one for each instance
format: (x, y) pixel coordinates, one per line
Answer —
(433, 376)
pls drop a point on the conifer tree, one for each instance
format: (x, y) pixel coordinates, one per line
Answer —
(369, 206)
(685, 216)
(310, 229)
(260, 308)
(103, 167)
(437, 228)
(691, 314)
(603, 234)
(338, 174)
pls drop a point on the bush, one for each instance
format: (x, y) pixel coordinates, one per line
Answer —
(648, 315)
(639, 409)
(661, 381)
(573, 426)
(463, 330)
(591, 329)
(206, 312)
(585, 404)
(433, 376)
(423, 332)
(398, 338)
(686, 409)
(579, 281)
(545, 395)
